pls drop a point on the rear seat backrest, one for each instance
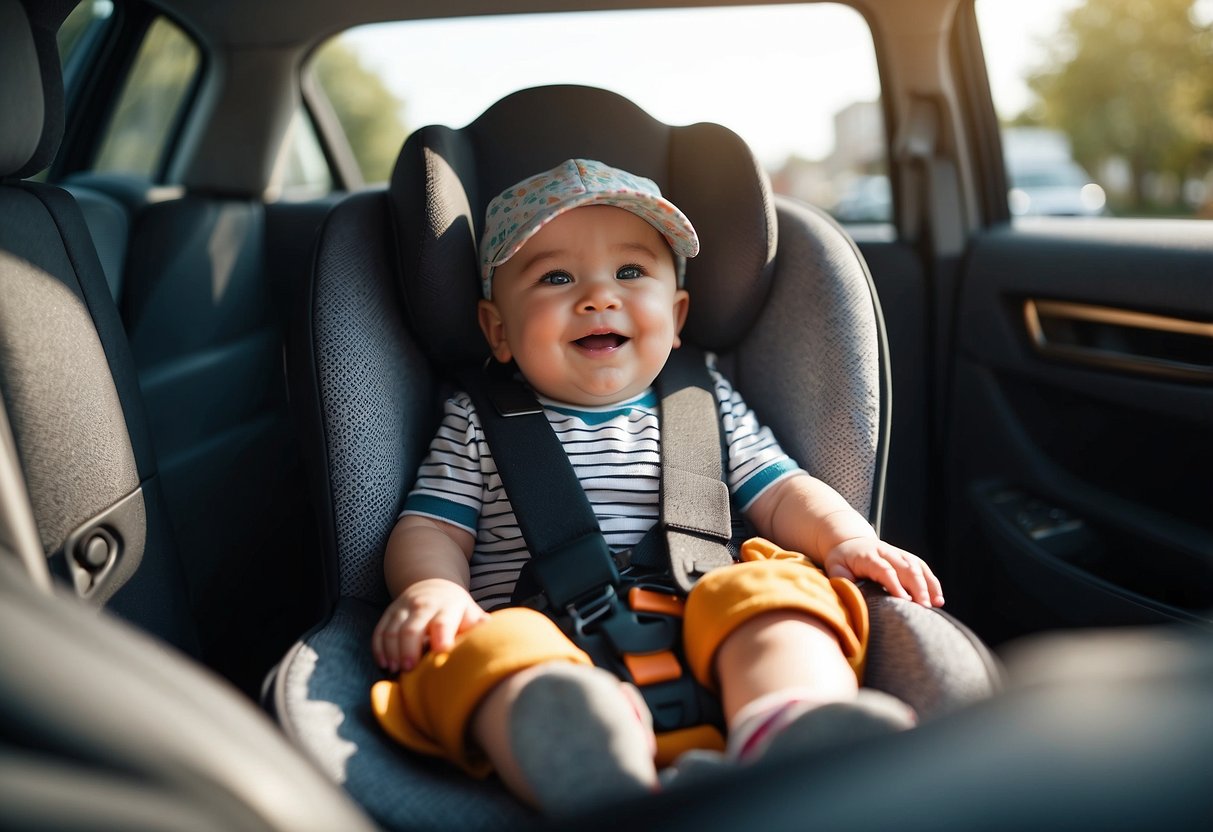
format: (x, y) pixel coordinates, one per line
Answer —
(201, 305)
(177, 408)
(201, 292)
(109, 224)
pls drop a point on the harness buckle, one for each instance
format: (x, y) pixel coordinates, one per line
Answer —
(598, 606)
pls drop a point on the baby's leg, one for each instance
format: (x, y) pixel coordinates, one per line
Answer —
(515, 694)
(784, 645)
(787, 688)
(564, 736)
(782, 650)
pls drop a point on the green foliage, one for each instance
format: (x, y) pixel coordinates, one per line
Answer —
(1132, 79)
(370, 113)
(73, 28)
(164, 67)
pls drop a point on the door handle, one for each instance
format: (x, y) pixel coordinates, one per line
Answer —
(1121, 339)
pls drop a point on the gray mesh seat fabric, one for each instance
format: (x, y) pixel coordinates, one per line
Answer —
(780, 293)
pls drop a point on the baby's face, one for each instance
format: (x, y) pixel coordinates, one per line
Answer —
(589, 308)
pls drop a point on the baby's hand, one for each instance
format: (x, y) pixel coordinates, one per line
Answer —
(898, 571)
(434, 610)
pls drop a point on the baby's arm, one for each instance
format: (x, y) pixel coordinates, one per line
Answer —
(426, 568)
(806, 515)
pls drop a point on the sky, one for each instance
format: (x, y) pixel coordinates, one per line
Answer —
(1012, 32)
(685, 68)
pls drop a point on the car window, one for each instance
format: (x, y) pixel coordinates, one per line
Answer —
(1106, 105)
(798, 82)
(82, 27)
(81, 23)
(305, 173)
(160, 78)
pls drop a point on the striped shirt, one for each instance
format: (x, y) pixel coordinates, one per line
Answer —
(615, 451)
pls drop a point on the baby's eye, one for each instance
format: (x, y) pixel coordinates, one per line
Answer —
(629, 273)
(556, 278)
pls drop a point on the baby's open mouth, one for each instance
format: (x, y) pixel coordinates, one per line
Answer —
(601, 341)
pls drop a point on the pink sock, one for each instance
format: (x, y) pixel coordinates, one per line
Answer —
(760, 721)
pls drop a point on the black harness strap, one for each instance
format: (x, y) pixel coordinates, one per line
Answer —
(571, 566)
(569, 556)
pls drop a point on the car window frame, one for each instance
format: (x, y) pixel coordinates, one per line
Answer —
(347, 172)
(98, 80)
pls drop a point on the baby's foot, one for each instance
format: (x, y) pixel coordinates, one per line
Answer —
(580, 739)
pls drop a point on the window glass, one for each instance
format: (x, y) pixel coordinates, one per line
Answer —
(305, 173)
(73, 34)
(1106, 105)
(798, 82)
(163, 71)
(77, 31)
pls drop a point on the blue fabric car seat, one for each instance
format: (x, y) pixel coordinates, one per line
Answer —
(780, 293)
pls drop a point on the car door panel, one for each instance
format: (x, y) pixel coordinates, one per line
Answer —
(1081, 425)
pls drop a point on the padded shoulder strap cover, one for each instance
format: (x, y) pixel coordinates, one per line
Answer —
(694, 498)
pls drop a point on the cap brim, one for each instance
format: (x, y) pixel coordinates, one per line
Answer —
(658, 212)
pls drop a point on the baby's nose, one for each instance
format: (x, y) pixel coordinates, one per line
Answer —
(599, 296)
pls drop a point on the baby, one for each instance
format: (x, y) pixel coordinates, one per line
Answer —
(582, 280)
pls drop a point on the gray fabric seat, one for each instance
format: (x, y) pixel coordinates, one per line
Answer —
(68, 379)
(105, 726)
(109, 225)
(780, 293)
(183, 456)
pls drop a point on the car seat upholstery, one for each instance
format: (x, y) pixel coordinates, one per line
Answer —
(109, 226)
(103, 726)
(203, 311)
(779, 293)
(65, 368)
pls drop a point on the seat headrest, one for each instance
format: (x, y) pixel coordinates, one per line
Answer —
(445, 177)
(31, 88)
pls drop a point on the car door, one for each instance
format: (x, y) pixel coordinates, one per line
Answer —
(1078, 421)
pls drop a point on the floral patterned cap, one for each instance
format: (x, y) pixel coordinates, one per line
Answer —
(518, 212)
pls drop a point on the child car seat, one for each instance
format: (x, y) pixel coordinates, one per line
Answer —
(780, 293)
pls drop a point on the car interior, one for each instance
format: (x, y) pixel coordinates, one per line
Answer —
(372, 366)
(215, 396)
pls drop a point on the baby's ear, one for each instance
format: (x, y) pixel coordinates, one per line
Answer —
(494, 330)
(682, 304)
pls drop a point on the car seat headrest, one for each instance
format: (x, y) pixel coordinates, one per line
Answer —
(445, 177)
(31, 88)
